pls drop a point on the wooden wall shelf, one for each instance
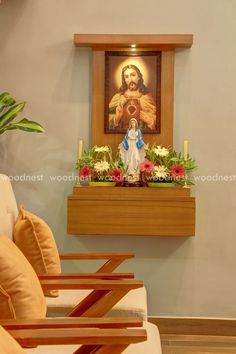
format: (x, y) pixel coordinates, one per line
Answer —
(131, 211)
(153, 41)
(100, 43)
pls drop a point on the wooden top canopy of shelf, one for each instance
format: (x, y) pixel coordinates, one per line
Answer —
(154, 41)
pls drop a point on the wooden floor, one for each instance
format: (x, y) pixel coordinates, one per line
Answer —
(197, 344)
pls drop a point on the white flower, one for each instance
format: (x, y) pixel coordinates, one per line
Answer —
(101, 149)
(160, 172)
(101, 166)
(161, 151)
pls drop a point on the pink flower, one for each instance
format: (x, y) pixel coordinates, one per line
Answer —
(177, 171)
(117, 175)
(146, 166)
(85, 172)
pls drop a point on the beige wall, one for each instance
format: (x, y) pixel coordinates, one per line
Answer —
(38, 63)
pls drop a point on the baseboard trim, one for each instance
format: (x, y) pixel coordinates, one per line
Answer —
(195, 326)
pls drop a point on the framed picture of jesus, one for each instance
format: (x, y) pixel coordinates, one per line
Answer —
(132, 90)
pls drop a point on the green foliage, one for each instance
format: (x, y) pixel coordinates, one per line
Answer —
(87, 160)
(100, 161)
(9, 110)
(118, 163)
(168, 158)
(172, 158)
(177, 158)
(102, 153)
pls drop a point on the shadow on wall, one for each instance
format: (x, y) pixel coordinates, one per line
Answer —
(74, 75)
(142, 246)
(153, 255)
(10, 13)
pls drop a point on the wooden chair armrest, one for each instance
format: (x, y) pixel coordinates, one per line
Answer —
(70, 322)
(86, 276)
(96, 284)
(87, 336)
(113, 260)
(93, 256)
(105, 294)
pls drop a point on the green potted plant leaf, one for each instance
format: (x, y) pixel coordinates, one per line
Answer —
(9, 110)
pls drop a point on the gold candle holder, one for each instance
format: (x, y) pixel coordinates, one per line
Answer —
(78, 184)
(185, 176)
(80, 153)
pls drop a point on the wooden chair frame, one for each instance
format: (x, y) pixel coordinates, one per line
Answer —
(113, 260)
(105, 294)
(97, 336)
(101, 299)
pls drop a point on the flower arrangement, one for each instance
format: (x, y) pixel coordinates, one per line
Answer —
(97, 164)
(161, 164)
(166, 165)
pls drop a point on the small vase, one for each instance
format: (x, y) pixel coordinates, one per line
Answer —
(161, 184)
(84, 183)
(102, 184)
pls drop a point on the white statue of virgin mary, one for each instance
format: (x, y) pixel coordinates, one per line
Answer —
(132, 148)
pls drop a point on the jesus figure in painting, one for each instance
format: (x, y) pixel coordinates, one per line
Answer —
(132, 100)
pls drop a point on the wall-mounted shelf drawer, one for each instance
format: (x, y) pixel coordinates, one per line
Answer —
(131, 211)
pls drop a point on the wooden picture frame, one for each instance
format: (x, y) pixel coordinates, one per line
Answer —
(99, 137)
(132, 90)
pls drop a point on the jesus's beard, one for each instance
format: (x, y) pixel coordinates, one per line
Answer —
(133, 86)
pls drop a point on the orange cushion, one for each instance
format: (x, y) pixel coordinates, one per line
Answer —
(8, 345)
(21, 295)
(35, 239)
